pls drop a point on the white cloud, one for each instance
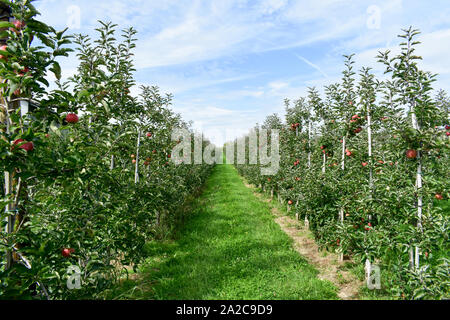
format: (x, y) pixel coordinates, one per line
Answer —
(271, 6)
(192, 48)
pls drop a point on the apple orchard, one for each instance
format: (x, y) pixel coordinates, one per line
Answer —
(86, 183)
(88, 179)
(366, 167)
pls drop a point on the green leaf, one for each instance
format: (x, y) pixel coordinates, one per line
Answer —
(6, 24)
(56, 69)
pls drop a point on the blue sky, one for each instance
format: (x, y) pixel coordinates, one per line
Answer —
(230, 63)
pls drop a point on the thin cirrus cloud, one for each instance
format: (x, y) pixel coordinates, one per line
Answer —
(232, 63)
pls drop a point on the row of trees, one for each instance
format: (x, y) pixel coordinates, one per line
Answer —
(87, 172)
(367, 167)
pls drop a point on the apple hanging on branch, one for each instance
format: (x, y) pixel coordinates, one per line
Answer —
(67, 252)
(411, 154)
(3, 48)
(27, 146)
(72, 118)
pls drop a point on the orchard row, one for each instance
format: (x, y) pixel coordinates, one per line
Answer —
(366, 166)
(86, 167)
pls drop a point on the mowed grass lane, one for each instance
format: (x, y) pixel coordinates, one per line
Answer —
(230, 248)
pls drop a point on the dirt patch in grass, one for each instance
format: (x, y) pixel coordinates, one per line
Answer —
(327, 263)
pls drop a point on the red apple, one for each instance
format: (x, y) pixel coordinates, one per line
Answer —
(134, 161)
(3, 48)
(133, 156)
(357, 130)
(447, 127)
(364, 164)
(16, 142)
(27, 146)
(290, 202)
(146, 163)
(411, 154)
(439, 196)
(348, 152)
(149, 134)
(169, 156)
(354, 117)
(154, 151)
(24, 71)
(19, 24)
(72, 118)
(66, 252)
(447, 133)
(381, 161)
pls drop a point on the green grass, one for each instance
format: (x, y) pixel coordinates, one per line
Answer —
(229, 248)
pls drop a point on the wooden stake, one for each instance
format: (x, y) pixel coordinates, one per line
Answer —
(324, 162)
(9, 186)
(309, 144)
(111, 167)
(341, 210)
(136, 171)
(418, 189)
(369, 144)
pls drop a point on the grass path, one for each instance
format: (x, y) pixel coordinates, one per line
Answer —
(229, 248)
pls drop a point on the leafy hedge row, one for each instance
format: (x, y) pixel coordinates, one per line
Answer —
(89, 166)
(387, 205)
